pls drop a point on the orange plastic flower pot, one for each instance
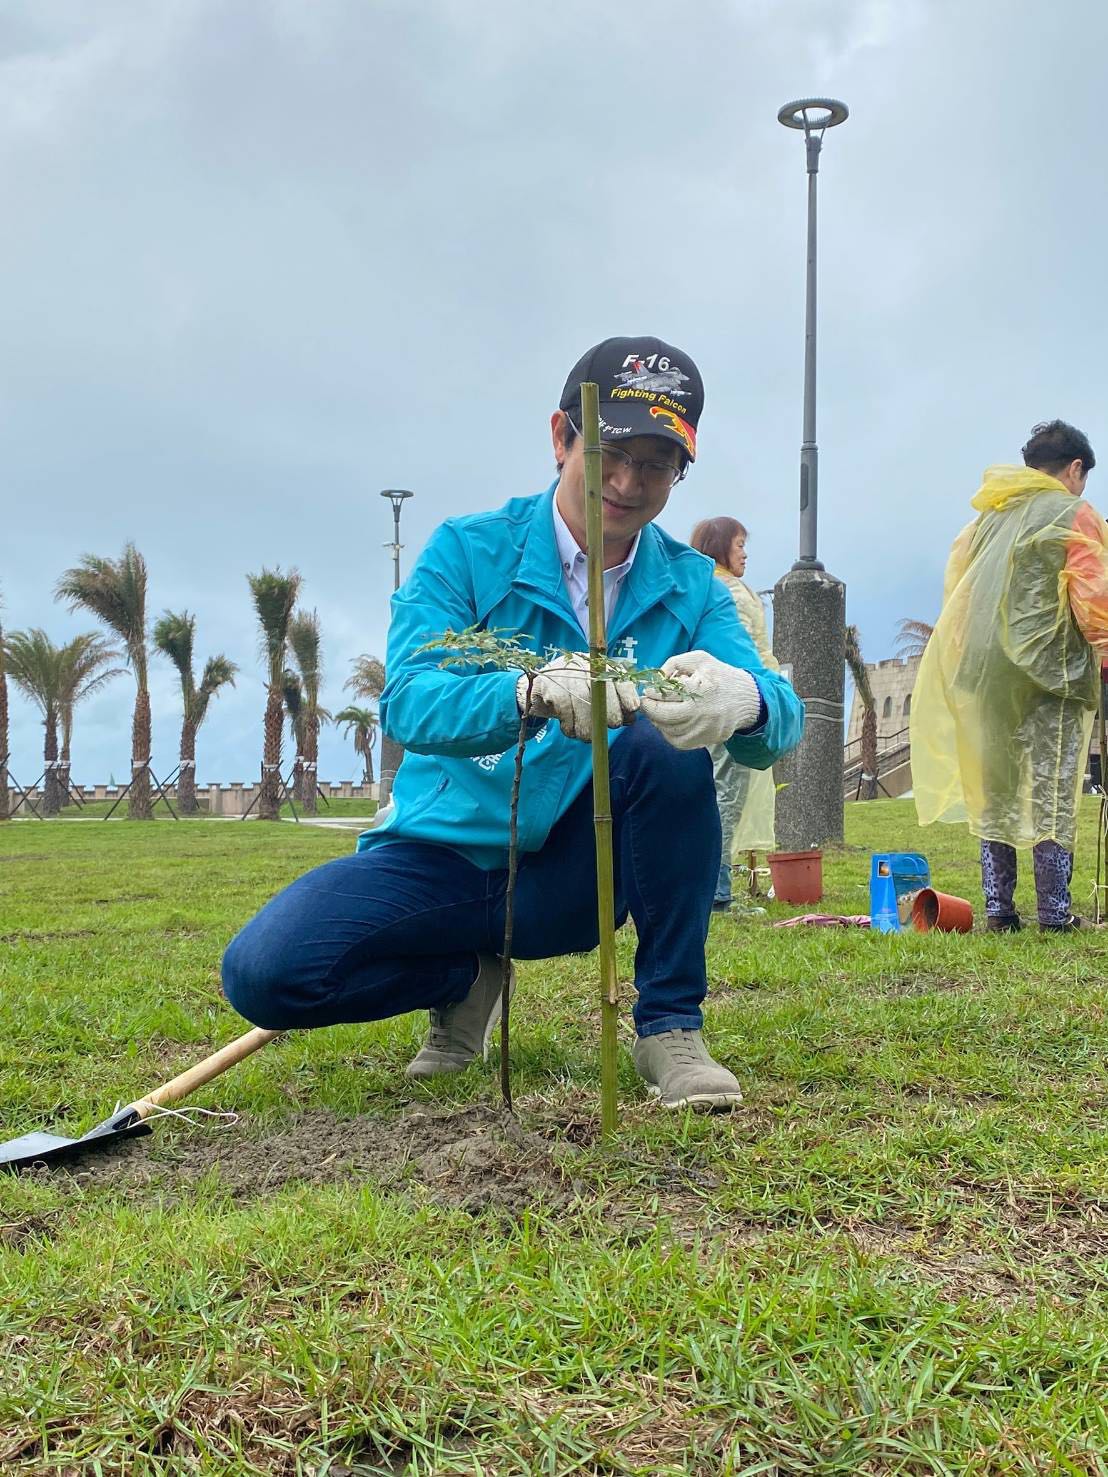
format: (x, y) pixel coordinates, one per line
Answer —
(797, 876)
(939, 910)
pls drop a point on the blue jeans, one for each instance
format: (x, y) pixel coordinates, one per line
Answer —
(397, 927)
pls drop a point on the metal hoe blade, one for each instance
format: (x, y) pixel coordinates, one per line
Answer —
(49, 1148)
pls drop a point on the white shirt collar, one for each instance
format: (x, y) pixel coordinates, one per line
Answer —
(570, 553)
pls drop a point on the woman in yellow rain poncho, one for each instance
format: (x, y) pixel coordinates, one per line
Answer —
(1004, 702)
(745, 796)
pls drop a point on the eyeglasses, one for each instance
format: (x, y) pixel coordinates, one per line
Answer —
(658, 475)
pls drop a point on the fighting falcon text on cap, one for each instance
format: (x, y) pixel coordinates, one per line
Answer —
(647, 388)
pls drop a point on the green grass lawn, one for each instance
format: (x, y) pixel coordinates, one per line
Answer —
(893, 1259)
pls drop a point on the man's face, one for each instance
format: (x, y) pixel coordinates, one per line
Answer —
(632, 496)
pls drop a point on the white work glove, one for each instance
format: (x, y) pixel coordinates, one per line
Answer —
(718, 701)
(561, 690)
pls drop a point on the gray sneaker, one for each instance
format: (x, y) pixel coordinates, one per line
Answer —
(680, 1073)
(461, 1032)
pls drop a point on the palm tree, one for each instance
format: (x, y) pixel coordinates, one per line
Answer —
(293, 693)
(34, 663)
(368, 676)
(274, 598)
(860, 673)
(367, 680)
(56, 679)
(363, 721)
(174, 635)
(304, 639)
(83, 667)
(115, 591)
(911, 638)
(5, 808)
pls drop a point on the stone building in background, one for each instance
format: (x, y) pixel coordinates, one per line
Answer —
(892, 681)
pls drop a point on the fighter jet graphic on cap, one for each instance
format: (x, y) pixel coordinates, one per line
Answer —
(639, 377)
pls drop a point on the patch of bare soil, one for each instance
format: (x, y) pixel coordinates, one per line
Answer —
(473, 1158)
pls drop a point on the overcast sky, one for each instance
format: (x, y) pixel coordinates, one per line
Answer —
(260, 260)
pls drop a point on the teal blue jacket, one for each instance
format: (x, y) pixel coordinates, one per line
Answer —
(460, 726)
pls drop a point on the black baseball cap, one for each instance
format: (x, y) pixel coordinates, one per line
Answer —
(647, 388)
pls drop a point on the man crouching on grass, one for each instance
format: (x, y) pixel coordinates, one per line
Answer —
(413, 920)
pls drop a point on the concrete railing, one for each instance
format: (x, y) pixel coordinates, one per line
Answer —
(216, 799)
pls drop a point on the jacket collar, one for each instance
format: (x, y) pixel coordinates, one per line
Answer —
(649, 582)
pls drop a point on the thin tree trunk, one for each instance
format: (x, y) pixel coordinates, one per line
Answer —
(63, 762)
(5, 807)
(186, 780)
(138, 800)
(269, 802)
(869, 754)
(51, 799)
(298, 778)
(391, 755)
(510, 902)
(311, 755)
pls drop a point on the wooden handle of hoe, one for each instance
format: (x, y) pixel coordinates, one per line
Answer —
(188, 1081)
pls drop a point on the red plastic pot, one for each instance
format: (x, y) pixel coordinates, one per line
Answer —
(940, 910)
(797, 876)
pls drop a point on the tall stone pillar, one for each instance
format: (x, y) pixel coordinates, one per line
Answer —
(809, 640)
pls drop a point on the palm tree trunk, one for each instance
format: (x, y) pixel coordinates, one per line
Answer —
(869, 754)
(186, 780)
(269, 803)
(311, 754)
(298, 778)
(138, 801)
(51, 797)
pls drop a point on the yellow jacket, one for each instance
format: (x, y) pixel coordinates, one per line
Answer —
(1008, 682)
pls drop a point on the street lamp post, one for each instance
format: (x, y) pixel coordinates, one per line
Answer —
(391, 752)
(809, 605)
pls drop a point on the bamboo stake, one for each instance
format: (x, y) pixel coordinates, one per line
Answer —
(602, 802)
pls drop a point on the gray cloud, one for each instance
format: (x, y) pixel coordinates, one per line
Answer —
(260, 261)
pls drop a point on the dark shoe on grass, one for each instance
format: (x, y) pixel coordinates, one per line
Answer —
(679, 1071)
(1073, 924)
(1004, 923)
(462, 1032)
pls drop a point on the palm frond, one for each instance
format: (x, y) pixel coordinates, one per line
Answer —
(174, 635)
(85, 665)
(368, 676)
(858, 669)
(293, 693)
(114, 590)
(912, 637)
(274, 598)
(219, 672)
(305, 642)
(34, 665)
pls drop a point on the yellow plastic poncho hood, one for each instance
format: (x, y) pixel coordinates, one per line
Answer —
(1004, 701)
